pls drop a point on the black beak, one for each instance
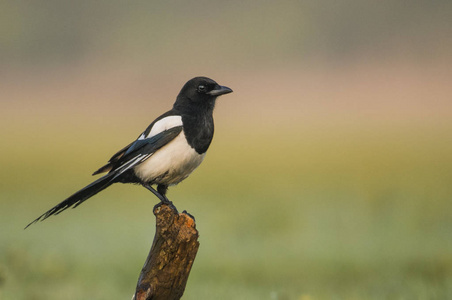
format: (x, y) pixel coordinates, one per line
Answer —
(220, 90)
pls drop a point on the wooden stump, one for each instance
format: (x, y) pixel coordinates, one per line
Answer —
(165, 272)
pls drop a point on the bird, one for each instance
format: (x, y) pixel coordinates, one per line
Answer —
(165, 153)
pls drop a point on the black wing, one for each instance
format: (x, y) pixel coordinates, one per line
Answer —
(142, 149)
(129, 157)
(118, 157)
(114, 159)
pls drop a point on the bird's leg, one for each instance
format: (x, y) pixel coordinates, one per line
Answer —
(157, 194)
(160, 193)
(162, 189)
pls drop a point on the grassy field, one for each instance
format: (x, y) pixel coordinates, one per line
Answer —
(314, 212)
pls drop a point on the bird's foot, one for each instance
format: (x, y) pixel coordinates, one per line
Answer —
(167, 203)
(163, 199)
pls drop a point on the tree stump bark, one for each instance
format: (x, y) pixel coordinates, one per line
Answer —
(165, 272)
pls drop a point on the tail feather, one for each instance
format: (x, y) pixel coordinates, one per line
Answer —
(79, 197)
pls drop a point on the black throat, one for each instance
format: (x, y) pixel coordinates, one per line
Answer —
(197, 120)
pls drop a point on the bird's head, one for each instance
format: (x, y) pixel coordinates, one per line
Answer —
(201, 91)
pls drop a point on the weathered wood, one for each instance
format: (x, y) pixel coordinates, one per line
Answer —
(165, 272)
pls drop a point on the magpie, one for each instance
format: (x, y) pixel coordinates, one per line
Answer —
(166, 153)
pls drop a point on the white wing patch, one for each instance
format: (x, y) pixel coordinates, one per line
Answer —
(162, 125)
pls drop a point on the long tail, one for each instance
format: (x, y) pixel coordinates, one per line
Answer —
(79, 197)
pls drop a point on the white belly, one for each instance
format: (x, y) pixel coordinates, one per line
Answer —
(171, 164)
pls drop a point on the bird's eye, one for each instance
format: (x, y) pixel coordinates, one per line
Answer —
(201, 88)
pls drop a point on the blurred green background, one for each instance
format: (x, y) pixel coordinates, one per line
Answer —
(329, 176)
